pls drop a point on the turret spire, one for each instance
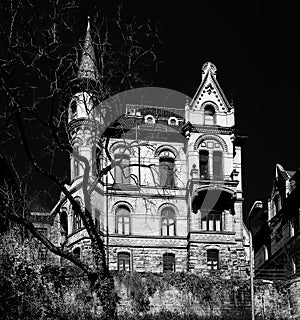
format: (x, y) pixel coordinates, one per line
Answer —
(87, 68)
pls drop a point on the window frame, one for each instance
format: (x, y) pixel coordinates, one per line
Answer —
(77, 222)
(167, 168)
(126, 261)
(213, 167)
(76, 163)
(209, 112)
(169, 262)
(168, 220)
(149, 116)
(207, 216)
(204, 165)
(121, 174)
(122, 217)
(213, 259)
(63, 219)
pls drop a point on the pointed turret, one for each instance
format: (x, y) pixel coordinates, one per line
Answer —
(87, 68)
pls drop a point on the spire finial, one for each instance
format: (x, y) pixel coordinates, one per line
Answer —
(88, 23)
(87, 68)
(208, 66)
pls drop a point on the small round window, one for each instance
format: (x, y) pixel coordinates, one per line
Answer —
(149, 119)
(173, 121)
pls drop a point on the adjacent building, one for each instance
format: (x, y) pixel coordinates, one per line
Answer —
(275, 227)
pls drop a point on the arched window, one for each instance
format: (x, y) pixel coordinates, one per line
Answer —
(213, 259)
(122, 168)
(169, 262)
(168, 222)
(76, 252)
(64, 223)
(77, 224)
(167, 169)
(122, 220)
(123, 261)
(209, 115)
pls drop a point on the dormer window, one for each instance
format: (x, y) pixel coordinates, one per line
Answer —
(149, 119)
(173, 121)
(209, 115)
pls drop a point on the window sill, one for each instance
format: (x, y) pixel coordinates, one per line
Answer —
(214, 232)
(124, 186)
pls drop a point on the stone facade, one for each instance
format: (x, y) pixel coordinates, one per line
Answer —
(173, 197)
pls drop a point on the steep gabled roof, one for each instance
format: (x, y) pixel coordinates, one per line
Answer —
(286, 174)
(210, 86)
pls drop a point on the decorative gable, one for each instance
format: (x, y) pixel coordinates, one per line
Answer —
(210, 91)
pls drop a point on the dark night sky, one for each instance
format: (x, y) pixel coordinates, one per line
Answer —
(255, 48)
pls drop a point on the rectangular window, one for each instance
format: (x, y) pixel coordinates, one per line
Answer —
(213, 259)
(211, 220)
(218, 164)
(76, 222)
(126, 229)
(76, 168)
(123, 261)
(122, 170)
(97, 219)
(203, 223)
(210, 223)
(203, 164)
(123, 224)
(164, 228)
(292, 228)
(76, 163)
(168, 262)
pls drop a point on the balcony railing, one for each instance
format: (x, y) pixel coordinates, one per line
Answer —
(215, 177)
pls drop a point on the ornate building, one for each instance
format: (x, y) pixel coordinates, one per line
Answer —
(173, 198)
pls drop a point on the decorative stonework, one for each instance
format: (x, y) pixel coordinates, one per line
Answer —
(165, 147)
(204, 104)
(208, 66)
(210, 137)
